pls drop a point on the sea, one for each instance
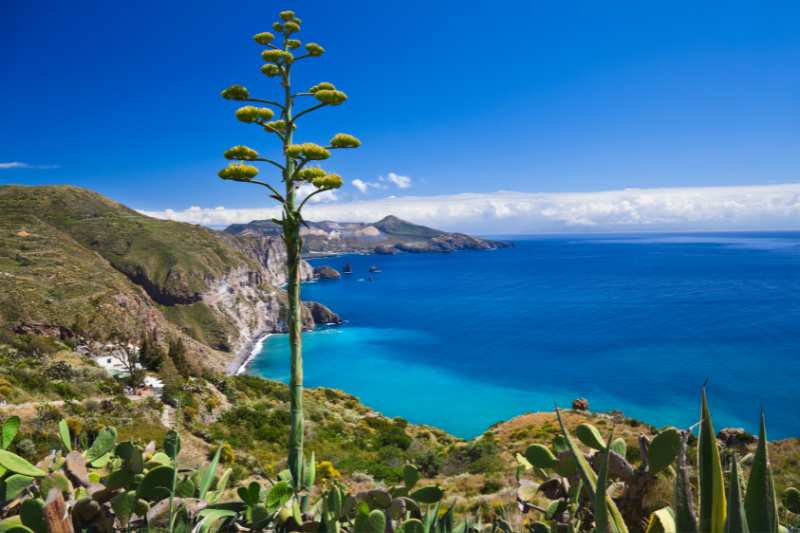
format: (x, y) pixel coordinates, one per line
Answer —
(633, 323)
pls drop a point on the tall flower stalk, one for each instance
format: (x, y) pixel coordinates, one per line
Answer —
(294, 172)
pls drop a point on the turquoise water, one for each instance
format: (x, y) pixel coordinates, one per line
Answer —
(633, 323)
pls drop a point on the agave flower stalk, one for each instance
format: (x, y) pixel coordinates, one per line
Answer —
(293, 171)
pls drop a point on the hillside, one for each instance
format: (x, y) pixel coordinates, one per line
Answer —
(73, 262)
(389, 235)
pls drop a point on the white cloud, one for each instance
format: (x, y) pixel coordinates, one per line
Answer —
(690, 208)
(402, 182)
(19, 164)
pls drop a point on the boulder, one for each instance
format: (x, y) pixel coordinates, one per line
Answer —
(326, 272)
(735, 437)
(580, 404)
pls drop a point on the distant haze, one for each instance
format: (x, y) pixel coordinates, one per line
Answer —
(758, 207)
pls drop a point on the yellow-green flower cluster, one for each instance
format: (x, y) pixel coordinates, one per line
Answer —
(238, 172)
(264, 37)
(278, 126)
(330, 97)
(270, 69)
(344, 140)
(309, 151)
(286, 15)
(236, 92)
(293, 43)
(322, 86)
(310, 173)
(314, 49)
(277, 26)
(328, 181)
(250, 113)
(242, 153)
(291, 27)
(277, 56)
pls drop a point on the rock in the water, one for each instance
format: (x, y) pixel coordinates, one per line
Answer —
(326, 272)
(735, 437)
(580, 404)
(322, 314)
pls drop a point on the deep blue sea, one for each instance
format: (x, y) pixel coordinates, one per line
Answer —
(632, 323)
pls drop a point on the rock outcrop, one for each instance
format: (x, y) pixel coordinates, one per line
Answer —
(326, 272)
(322, 314)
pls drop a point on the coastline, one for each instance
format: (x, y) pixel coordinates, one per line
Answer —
(246, 355)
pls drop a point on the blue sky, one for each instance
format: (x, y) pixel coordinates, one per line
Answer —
(457, 97)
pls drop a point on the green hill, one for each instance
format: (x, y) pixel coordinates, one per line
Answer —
(73, 259)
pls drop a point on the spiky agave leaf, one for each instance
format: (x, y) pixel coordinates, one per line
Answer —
(737, 521)
(711, 485)
(600, 507)
(760, 503)
(590, 479)
(682, 500)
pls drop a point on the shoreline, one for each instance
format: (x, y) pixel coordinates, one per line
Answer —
(246, 355)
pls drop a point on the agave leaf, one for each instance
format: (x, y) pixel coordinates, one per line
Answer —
(761, 504)
(682, 500)
(9, 431)
(737, 520)
(310, 473)
(600, 497)
(63, 433)
(210, 517)
(711, 485)
(662, 521)
(14, 463)
(209, 474)
(590, 479)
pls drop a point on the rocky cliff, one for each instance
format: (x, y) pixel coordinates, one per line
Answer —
(77, 263)
(390, 235)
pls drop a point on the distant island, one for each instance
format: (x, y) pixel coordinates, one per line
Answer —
(389, 235)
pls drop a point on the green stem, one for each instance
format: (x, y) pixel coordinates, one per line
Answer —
(291, 237)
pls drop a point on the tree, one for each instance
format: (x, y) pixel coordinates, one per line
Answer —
(300, 181)
(150, 352)
(128, 356)
(177, 352)
(172, 381)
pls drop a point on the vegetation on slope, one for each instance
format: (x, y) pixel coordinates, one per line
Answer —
(113, 478)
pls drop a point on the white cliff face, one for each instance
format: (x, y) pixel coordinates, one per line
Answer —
(250, 300)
